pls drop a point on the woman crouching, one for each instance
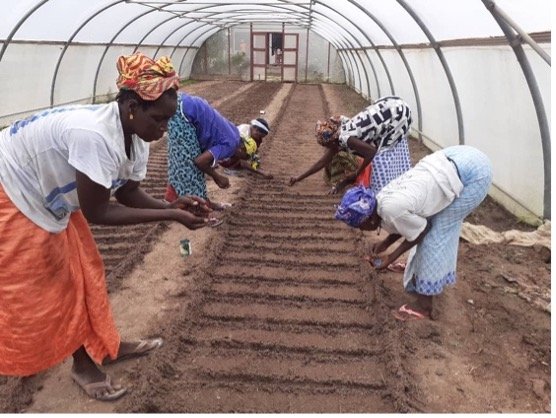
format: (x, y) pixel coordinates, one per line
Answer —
(426, 207)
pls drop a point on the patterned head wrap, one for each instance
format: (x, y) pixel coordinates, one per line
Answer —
(329, 130)
(356, 206)
(148, 78)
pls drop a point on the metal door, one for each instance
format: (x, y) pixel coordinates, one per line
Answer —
(258, 56)
(289, 57)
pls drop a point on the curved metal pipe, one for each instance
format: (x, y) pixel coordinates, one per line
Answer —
(445, 65)
(68, 42)
(101, 60)
(515, 43)
(18, 25)
(402, 56)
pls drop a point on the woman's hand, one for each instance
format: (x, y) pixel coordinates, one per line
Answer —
(379, 261)
(293, 180)
(221, 181)
(188, 219)
(194, 204)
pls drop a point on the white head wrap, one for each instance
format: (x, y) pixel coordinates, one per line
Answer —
(259, 125)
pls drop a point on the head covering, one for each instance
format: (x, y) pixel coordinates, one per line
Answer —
(329, 130)
(356, 205)
(148, 78)
(259, 124)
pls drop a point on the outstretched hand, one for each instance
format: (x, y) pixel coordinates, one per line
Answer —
(193, 204)
(293, 180)
(189, 220)
(378, 261)
(222, 181)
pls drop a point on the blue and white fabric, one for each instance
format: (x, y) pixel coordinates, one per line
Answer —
(432, 263)
(389, 164)
(383, 124)
(356, 205)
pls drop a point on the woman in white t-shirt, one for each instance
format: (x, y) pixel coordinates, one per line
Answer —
(58, 171)
(425, 207)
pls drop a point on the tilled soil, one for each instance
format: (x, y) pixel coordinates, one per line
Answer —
(286, 317)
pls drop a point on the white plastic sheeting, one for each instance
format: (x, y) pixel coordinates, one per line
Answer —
(471, 89)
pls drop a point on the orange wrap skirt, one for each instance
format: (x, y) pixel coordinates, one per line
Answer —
(53, 296)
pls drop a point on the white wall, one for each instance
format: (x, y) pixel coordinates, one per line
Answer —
(497, 109)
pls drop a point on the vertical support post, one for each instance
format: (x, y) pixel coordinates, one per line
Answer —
(229, 52)
(205, 57)
(514, 41)
(307, 55)
(251, 50)
(328, 65)
(283, 52)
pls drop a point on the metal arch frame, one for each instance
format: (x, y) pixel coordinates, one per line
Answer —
(286, 4)
(402, 56)
(141, 41)
(364, 34)
(18, 25)
(101, 60)
(105, 7)
(354, 60)
(514, 42)
(284, 7)
(68, 43)
(444, 63)
(81, 26)
(377, 51)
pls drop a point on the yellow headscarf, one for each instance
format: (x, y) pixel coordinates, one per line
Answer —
(148, 78)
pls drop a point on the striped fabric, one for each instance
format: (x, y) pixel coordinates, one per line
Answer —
(148, 78)
(390, 164)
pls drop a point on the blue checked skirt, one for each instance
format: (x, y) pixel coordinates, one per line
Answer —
(183, 148)
(432, 263)
(389, 164)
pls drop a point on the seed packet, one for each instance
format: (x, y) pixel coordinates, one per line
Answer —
(185, 247)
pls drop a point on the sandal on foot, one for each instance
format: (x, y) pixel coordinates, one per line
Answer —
(143, 348)
(398, 267)
(213, 223)
(101, 391)
(220, 206)
(404, 313)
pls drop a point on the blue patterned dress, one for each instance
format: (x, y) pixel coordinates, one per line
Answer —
(432, 263)
(183, 147)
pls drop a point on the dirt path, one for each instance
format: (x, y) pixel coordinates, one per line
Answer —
(275, 312)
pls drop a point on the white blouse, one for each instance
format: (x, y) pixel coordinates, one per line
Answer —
(407, 201)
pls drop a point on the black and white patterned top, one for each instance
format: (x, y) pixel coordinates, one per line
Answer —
(382, 124)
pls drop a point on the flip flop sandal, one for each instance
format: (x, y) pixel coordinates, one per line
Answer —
(214, 223)
(398, 267)
(404, 313)
(100, 390)
(143, 348)
(221, 206)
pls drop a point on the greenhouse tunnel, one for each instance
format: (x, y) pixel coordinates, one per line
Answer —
(474, 72)
(239, 280)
